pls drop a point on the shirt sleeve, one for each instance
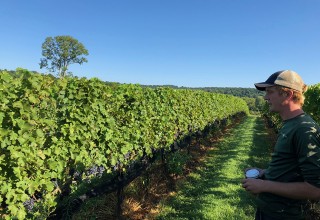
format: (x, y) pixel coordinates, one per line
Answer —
(308, 151)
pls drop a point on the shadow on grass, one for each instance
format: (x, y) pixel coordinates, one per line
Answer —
(217, 182)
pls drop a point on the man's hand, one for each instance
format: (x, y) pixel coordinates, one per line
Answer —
(254, 186)
(293, 190)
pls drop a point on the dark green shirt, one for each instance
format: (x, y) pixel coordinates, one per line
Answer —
(296, 158)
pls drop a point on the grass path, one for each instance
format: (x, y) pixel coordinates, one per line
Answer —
(214, 191)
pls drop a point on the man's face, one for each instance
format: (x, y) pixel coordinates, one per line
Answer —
(274, 99)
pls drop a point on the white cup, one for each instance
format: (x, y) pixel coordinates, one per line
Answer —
(252, 173)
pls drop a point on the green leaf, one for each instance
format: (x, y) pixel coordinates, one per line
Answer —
(21, 140)
(6, 187)
(6, 77)
(1, 117)
(17, 172)
(21, 214)
(33, 99)
(14, 209)
(17, 104)
(54, 139)
(50, 186)
(25, 126)
(41, 154)
(40, 133)
(33, 186)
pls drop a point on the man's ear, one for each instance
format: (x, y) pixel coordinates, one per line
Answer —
(288, 94)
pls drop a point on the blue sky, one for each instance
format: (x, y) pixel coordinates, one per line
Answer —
(191, 43)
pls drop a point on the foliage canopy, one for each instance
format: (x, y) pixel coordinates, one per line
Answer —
(61, 51)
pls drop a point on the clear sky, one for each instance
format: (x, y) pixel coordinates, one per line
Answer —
(191, 43)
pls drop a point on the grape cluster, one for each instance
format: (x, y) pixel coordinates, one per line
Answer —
(77, 175)
(95, 171)
(29, 204)
(127, 156)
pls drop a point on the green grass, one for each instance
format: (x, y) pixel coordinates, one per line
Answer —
(214, 191)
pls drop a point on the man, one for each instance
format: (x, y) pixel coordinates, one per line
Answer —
(293, 175)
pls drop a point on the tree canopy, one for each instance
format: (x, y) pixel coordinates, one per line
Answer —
(61, 51)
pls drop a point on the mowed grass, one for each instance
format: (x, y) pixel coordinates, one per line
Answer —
(214, 191)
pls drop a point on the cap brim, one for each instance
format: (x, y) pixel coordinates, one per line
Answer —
(262, 86)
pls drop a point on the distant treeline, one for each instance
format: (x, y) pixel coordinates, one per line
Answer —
(236, 91)
(242, 92)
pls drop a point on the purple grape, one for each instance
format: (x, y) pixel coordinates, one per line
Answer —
(29, 204)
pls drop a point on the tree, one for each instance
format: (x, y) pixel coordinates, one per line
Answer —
(62, 51)
(260, 102)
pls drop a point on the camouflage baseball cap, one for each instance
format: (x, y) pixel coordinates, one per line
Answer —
(285, 78)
